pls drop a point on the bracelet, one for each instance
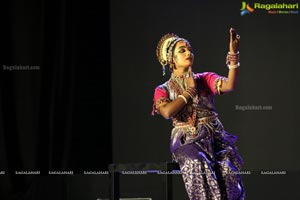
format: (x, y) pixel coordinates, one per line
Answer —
(183, 97)
(233, 66)
(232, 57)
(191, 92)
(233, 54)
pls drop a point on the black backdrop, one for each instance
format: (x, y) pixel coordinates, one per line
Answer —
(55, 117)
(89, 102)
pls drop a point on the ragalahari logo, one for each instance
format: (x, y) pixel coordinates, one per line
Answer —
(246, 8)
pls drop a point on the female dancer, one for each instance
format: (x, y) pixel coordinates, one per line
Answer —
(206, 153)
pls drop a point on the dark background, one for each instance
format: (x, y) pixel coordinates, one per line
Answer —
(90, 102)
(57, 117)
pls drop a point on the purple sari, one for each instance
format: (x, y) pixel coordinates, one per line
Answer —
(206, 153)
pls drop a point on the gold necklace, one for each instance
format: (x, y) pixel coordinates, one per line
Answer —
(180, 81)
(180, 87)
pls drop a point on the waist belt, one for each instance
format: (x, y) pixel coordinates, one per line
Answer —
(202, 120)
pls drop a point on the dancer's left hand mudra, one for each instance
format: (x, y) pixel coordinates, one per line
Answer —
(189, 79)
(234, 41)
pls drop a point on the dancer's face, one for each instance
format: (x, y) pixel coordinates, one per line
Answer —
(183, 55)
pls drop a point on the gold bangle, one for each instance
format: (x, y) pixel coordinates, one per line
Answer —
(183, 97)
(233, 66)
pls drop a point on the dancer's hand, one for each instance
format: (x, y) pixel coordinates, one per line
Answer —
(189, 79)
(234, 41)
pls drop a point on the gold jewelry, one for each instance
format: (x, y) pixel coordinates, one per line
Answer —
(233, 66)
(183, 97)
(164, 49)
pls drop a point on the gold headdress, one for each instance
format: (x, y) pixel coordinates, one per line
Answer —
(164, 50)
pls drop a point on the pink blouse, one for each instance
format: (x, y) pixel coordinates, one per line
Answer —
(207, 87)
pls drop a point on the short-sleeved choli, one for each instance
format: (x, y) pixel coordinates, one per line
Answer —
(161, 94)
(212, 80)
(207, 86)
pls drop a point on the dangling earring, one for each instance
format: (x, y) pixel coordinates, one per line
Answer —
(164, 70)
(171, 67)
